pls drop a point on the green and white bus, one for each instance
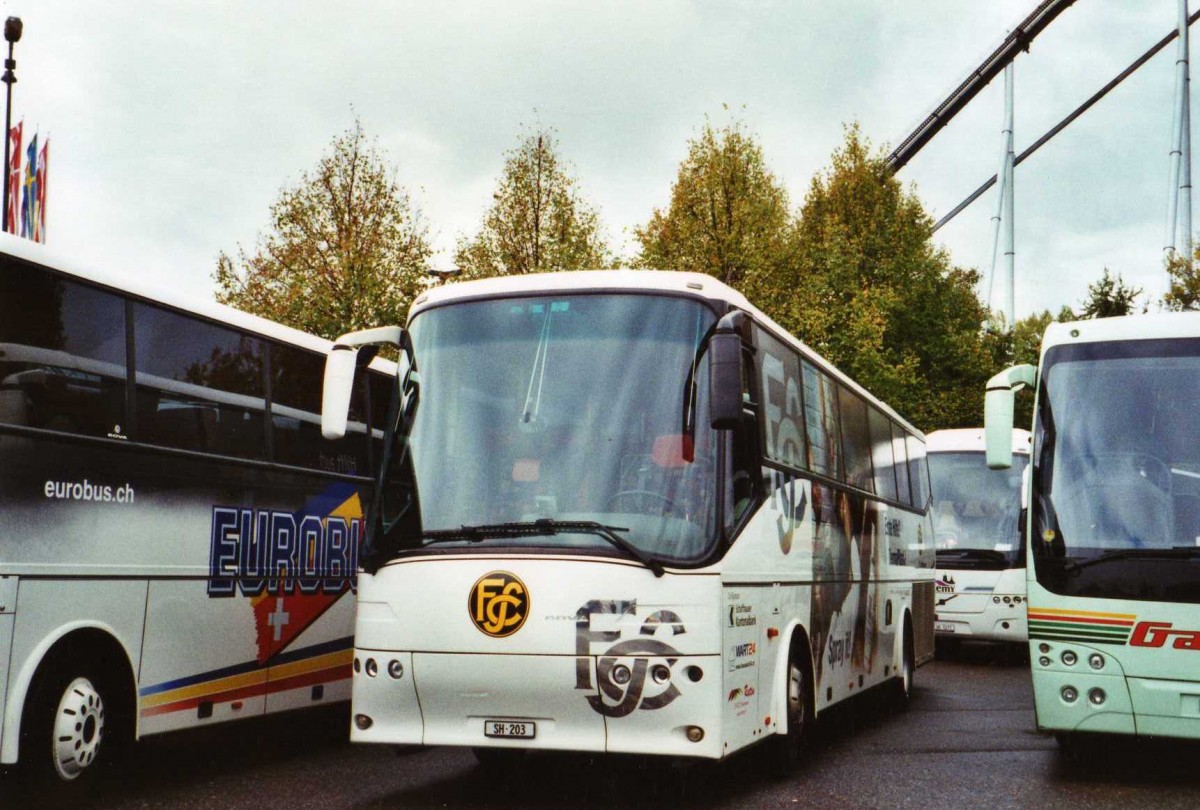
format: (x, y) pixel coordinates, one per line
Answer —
(1113, 524)
(626, 512)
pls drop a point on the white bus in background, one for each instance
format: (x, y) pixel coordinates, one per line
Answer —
(626, 512)
(178, 543)
(1114, 524)
(980, 579)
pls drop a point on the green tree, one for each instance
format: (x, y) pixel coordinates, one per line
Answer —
(728, 215)
(538, 220)
(1109, 297)
(866, 287)
(1183, 294)
(346, 249)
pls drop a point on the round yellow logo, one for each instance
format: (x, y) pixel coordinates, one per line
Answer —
(498, 604)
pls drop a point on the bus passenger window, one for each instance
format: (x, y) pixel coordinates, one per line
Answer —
(745, 466)
(296, 415)
(199, 386)
(62, 354)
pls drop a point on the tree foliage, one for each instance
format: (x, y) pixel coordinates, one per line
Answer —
(865, 285)
(538, 220)
(728, 215)
(345, 249)
(1109, 297)
(1183, 293)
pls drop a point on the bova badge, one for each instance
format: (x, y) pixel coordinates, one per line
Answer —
(498, 604)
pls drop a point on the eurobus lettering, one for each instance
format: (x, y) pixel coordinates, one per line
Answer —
(182, 539)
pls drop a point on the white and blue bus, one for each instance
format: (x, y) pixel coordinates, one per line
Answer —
(980, 555)
(625, 511)
(178, 543)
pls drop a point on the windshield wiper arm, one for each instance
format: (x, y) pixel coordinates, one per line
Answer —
(1174, 553)
(544, 527)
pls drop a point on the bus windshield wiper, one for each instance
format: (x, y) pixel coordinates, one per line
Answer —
(1174, 553)
(543, 527)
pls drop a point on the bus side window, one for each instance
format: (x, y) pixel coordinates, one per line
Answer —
(745, 463)
(62, 354)
(918, 473)
(902, 476)
(296, 376)
(856, 440)
(821, 421)
(199, 385)
(881, 453)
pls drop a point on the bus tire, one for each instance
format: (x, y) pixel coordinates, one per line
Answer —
(798, 689)
(73, 726)
(902, 684)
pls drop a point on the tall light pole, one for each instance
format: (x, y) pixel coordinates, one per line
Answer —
(12, 35)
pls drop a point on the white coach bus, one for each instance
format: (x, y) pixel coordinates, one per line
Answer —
(178, 543)
(1114, 524)
(626, 512)
(980, 557)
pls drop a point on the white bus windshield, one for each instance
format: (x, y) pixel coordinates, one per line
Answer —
(975, 508)
(1117, 479)
(564, 409)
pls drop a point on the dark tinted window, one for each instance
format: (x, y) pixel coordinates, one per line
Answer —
(782, 408)
(199, 386)
(297, 377)
(62, 353)
(901, 453)
(881, 454)
(821, 420)
(856, 440)
(918, 472)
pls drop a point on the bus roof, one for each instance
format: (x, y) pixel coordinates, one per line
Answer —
(693, 285)
(1129, 327)
(145, 286)
(971, 440)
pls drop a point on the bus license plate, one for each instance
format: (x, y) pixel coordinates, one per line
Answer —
(509, 729)
(943, 627)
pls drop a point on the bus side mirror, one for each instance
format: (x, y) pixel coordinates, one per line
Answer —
(725, 380)
(998, 405)
(340, 365)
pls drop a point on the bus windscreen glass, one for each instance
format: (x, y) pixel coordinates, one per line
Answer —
(976, 509)
(1117, 477)
(570, 409)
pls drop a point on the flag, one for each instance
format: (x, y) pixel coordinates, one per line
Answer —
(39, 226)
(29, 197)
(14, 177)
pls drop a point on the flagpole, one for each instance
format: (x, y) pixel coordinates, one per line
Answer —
(12, 35)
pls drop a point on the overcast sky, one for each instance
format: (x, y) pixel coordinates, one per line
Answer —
(175, 123)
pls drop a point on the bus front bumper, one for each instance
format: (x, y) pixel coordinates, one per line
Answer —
(551, 702)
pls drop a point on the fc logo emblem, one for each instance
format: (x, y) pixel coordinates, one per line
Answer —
(498, 604)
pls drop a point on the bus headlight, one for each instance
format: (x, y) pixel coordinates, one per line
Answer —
(371, 668)
(661, 673)
(621, 674)
(1069, 658)
(1096, 696)
(395, 669)
(1044, 660)
(1070, 694)
(1096, 660)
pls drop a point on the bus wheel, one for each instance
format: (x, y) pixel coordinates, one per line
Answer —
(68, 731)
(789, 748)
(903, 683)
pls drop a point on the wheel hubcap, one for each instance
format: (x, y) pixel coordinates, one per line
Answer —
(78, 728)
(795, 696)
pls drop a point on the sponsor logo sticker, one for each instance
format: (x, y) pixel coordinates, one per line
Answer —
(498, 604)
